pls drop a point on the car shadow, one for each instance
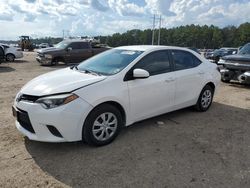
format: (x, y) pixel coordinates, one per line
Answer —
(179, 149)
(239, 85)
(19, 61)
(6, 69)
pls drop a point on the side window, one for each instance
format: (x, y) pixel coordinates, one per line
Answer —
(184, 60)
(74, 45)
(84, 45)
(196, 61)
(155, 63)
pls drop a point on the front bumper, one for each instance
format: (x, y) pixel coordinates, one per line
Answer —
(19, 54)
(67, 120)
(43, 60)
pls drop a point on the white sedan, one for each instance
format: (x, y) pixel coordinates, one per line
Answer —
(12, 53)
(94, 100)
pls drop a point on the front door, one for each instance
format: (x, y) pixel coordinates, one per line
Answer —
(153, 95)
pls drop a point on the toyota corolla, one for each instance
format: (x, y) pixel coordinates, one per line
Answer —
(94, 100)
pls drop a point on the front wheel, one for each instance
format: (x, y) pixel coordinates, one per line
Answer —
(10, 57)
(102, 125)
(205, 99)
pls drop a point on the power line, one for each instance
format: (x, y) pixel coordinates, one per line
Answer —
(153, 30)
(159, 32)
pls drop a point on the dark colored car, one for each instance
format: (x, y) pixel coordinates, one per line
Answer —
(2, 54)
(236, 67)
(217, 54)
(68, 51)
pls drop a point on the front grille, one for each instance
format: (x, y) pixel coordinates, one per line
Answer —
(24, 120)
(28, 98)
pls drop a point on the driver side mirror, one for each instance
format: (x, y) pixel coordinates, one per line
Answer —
(68, 49)
(140, 73)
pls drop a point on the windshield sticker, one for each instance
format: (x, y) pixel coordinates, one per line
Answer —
(128, 52)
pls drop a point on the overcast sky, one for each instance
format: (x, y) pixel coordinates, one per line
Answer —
(102, 17)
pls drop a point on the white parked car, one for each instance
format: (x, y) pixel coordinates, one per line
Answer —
(43, 45)
(94, 100)
(12, 53)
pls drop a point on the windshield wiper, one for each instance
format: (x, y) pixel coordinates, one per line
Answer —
(91, 72)
(74, 67)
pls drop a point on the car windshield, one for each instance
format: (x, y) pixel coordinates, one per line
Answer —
(245, 49)
(61, 45)
(109, 62)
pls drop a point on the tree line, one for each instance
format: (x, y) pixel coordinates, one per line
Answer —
(210, 37)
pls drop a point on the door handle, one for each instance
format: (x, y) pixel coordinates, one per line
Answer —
(171, 79)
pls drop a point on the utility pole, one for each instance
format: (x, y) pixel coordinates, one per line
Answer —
(159, 32)
(63, 33)
(153, 31)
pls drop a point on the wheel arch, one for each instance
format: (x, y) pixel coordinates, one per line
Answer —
(211, 84)
(115, 104)
(9, 53)
(60, 58)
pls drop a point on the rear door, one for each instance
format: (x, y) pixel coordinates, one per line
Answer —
(155, 94)
(85, 51)
(189, 77)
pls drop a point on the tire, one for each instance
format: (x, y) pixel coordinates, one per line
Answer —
(98, 132)
(54, 61)
(10, 57)
(225, 81)
(205, 99)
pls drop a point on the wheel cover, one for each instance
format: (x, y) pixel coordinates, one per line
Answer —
(105, 126)
(10, 57)
(206, 98)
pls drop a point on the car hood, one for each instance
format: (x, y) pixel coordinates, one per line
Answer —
(60, 81)
(237, 57)
(50, 49)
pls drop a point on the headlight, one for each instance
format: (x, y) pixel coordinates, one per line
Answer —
(221, 61)
(56, 100)
(48, 56)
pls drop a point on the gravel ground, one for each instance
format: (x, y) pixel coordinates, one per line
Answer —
(179, 149)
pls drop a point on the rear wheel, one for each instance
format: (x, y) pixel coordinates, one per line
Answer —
(10, 57)
(55, 61)
(205, 99)
(102, 125)
(225, 80)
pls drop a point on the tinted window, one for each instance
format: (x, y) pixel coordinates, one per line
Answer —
(184, 60)
(155, 63)
(74, 45)
(245, 49)
(83, 45)
(79, 45)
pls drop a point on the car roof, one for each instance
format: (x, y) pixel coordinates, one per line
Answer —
(150, 47)
(75, 40)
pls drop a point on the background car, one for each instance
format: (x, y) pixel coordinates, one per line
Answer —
(43, 45)
(237, 66)
(218, 53)
(12, 53)
(68, 51)
(2, 54)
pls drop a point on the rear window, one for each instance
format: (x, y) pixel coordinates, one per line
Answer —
(184, 60)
